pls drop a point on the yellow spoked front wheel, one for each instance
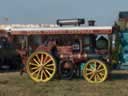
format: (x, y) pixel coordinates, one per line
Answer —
(41, 66)
(95, 71)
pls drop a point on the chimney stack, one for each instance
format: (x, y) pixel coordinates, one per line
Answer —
(91, 22)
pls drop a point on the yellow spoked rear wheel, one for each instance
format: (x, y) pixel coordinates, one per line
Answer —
(41, 66)
(95, 71)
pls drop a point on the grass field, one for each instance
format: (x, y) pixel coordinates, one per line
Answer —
(12, 84)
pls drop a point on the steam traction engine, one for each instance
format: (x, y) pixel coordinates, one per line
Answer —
(64, 50)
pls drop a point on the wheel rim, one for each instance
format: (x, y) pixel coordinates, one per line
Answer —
(41, 66)
(66, 72)
(95, 71)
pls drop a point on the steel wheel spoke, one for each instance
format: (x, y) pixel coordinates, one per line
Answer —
(45, 63)
(89, 73)
(42, 58)
(45, 75)
(95, 64)
(49, 65)
(92, 76)
(37, 56)
(101, 74)
(101, 70)
(45, 58)
(36, 61)
(42, 72)
(89, 69)
(98, 77)
(33, 64)
(37, 76)
(35, 68)
(48, 72)
(49, 68)
(95, 78)
(99, 67)
(35, 71)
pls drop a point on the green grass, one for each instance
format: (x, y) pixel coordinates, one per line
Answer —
(12, 84)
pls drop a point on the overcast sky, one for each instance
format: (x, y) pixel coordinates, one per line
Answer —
(105, 12)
